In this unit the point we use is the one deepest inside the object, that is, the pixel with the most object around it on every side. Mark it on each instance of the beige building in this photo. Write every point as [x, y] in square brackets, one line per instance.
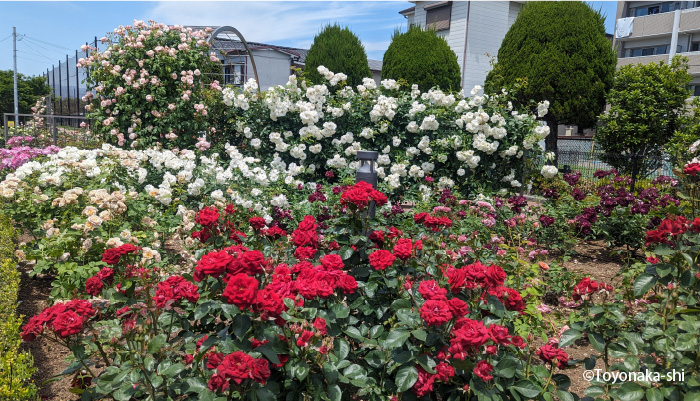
[647, 31]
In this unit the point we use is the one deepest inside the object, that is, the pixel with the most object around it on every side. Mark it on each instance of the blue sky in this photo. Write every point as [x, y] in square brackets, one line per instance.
[53, 29]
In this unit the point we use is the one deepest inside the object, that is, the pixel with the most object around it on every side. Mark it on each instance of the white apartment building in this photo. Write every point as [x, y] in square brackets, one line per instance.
[648, 31]
[473, 29]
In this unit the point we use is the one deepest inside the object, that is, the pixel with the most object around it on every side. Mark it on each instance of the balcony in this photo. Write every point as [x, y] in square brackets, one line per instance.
[642, 59]
[662, 24]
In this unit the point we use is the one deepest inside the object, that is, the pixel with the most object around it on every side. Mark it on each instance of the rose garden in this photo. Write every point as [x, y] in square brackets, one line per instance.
[216, 245]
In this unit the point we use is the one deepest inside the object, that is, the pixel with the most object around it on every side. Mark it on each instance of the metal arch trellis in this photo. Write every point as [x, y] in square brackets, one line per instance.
[223, 29]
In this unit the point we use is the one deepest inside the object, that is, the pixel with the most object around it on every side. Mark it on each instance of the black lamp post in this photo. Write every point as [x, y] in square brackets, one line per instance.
[367, 173]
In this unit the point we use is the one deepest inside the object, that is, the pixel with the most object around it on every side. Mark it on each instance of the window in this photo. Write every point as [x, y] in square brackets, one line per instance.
[696, 90]
[438, 15]
[235, 71]
[648, 51]
[695, 46]
[655, 9]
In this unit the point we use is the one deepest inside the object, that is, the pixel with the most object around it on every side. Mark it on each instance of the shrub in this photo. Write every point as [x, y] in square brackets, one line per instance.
[337, 49]
[149, 86]
[16, 367]
[560, 49]
[423, 58]
[647, 106]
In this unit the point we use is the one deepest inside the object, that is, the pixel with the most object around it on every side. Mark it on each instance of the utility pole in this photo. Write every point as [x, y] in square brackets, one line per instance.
[14, 52]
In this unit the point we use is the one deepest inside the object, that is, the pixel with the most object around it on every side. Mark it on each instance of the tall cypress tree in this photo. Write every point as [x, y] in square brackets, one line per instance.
[561, 50]
[423, 58]
[339, 50]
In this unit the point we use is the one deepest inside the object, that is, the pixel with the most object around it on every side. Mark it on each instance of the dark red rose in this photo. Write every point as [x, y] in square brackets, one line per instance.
[379, 198]
[320, 325]
[381, 259]
[188, 358]
[67, 324]
[270, 301]
[347, 284]
[456, 279]
[213, 264]
[111, 256]
[332, 262]
[127, 248]
[305, 252]
[435, 313]
[214, 359]
[305, 238]
[257, 222]
[483, 370]
[431, 290]
[495, 276]
[93, 286]
[420, 217]
[424, 384]
[551, 354]
[518, 342]
[305, 338]
[692, 169]
[34, 327]
[403, 248]
[308, 224]
[207, 216]
[499, 334]
[253, 262]
[444, 371]
[241, 290]
[260, 370]
[217, 383]
[458, 307]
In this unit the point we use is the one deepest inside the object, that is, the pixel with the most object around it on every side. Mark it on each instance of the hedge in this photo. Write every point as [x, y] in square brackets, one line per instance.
[16, 367]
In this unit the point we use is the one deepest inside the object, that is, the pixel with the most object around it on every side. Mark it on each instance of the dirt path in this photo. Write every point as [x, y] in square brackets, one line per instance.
[49, 358]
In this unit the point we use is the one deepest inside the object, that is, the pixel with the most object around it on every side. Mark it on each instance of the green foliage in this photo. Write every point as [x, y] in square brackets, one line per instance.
[29, 89]
[15, 366]
[561, 50]
[339, 50]
[423, 58]
[687, 134]
[647, 106]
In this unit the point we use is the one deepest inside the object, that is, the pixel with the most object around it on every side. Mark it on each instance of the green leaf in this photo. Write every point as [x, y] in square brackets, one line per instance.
[173, 370]
[506, 367]
[354, 332]
[195, 384]
[376, 358]
[597, 341]
[395, 339]
[427, 363]
[526, 388]
[408, 317]
[376, 331]
[568, 337]
[565, 395]
[654, 394]
[406, 378]
[263, 394]
[346, 252]
[241, 325]
[269, 352]
[157, 343]
[342, 349]
[354, 371]
[643, 283]
[334, 393]
[230, 310]
[420, 334]
[628, 391]
[594, 391]
[341, 311]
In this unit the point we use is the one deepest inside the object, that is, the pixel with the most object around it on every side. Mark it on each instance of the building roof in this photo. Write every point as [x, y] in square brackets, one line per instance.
[298, 55]
[408, 11]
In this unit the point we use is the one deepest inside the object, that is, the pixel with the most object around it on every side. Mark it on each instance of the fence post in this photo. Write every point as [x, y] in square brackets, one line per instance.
[4, 125]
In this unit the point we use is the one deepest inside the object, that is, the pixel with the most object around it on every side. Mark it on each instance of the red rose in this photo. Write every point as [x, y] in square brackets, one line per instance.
[499, 334]
[672, 227]
[518, 342]
[308, 224]
[456, 278]
[207, 216]
[435, 313]
[444, 371]
[495, 276]
[475, 273]
[213, 264]
[377, 237]
[275, 232]
[469, 333]
[551, 354]
[305, 338]
[695, 225]
[260, 370]
[320, 325]
[175, 288]
[692, 169]
[34, 327]
[305, 238]
[420, 217]
[67, 324]
[93, 286]
[241, 290]
[458, 307]
[257, 222]
[236, 367]
[111, 256]
[424, 384]
[188, 358]
[253, 262]
[355, 196]
[80, 306]
[269, 301]
[347, 284]
[430, 290]
[106, 274]
[483, 370]
[381, 259]
[304, 252]
[127, 248]
[379, 198]
[217, 383]
[403, 248]
[332, 262]
[214, 359]
[324, 283]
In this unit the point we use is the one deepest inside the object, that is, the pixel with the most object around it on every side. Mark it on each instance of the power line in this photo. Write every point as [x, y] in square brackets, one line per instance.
[34, 54]
[43, 47]
[49, 43]
[8, 37]
[30, 59]
[38, 53]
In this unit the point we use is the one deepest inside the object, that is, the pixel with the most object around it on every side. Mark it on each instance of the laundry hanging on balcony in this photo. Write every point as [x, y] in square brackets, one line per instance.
[623, 27]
